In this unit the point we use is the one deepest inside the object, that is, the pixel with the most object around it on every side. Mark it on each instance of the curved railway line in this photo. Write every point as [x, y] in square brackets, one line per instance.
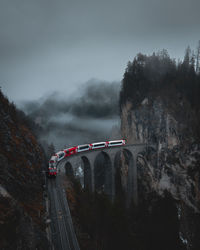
[62, 231]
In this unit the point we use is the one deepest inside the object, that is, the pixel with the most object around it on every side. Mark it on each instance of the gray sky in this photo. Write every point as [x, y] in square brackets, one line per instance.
[48, 45]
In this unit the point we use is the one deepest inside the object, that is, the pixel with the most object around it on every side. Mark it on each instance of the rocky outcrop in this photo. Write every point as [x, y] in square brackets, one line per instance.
[159, 106]
[174, 166]
[21, 193]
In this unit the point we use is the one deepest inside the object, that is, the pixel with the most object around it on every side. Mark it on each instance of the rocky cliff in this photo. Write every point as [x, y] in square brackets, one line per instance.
[21, 195]
[175, 164]
[158, 106]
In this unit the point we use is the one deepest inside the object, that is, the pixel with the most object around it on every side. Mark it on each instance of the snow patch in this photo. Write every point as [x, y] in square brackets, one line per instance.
[4, 192]
[145, 101]
[182, 239]
[165, 182]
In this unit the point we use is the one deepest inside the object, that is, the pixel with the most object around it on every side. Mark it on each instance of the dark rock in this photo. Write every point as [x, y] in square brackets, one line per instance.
[21, 195]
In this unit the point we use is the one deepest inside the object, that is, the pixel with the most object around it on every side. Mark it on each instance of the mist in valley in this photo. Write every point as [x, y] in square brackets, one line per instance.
[90, 114]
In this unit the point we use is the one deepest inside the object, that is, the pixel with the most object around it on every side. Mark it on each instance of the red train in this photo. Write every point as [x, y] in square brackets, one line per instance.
[52, 170]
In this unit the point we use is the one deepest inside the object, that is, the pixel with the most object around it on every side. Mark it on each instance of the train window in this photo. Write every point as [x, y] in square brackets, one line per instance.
[99, 145]
[83, 147]
[114, 143]
[61, 155]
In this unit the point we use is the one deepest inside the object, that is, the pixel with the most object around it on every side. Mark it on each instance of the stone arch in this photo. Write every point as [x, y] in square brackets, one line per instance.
[118, 178]
[69, 169]
[130, 175]
[87, 173]
[103, 173]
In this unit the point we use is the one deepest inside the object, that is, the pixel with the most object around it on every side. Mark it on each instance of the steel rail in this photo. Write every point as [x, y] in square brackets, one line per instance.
[70, 227]
[64, 217]
[61, 224]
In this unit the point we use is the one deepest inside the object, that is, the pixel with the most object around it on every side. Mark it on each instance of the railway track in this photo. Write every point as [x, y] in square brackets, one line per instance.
[63, 234]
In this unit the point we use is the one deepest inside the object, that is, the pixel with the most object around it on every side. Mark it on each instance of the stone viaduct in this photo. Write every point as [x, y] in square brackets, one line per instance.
[99, 168]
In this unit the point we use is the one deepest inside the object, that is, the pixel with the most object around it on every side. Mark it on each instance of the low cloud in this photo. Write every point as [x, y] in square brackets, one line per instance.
[88, 115]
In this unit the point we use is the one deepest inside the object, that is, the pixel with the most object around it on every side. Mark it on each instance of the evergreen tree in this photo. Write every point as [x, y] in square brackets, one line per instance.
[187, 57]
[51, 150]
[198, 59]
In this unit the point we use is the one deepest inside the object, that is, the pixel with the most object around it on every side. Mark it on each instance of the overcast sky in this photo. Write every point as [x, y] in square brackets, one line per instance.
[48, 45]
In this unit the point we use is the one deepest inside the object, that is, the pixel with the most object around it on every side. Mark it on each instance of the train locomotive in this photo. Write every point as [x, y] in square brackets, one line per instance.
[52, 168]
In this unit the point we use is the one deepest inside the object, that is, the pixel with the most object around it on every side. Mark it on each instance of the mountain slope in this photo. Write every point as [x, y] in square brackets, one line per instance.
[21, 194]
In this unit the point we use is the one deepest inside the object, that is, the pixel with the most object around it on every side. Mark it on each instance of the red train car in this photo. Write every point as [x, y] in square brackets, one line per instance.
[78, 149]
[52, 168]
[52, 172]
[70, 151]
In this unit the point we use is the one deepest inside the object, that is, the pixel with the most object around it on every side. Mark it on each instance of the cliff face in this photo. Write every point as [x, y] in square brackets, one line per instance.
[162, 110]
[174, 166]
[21, 195]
